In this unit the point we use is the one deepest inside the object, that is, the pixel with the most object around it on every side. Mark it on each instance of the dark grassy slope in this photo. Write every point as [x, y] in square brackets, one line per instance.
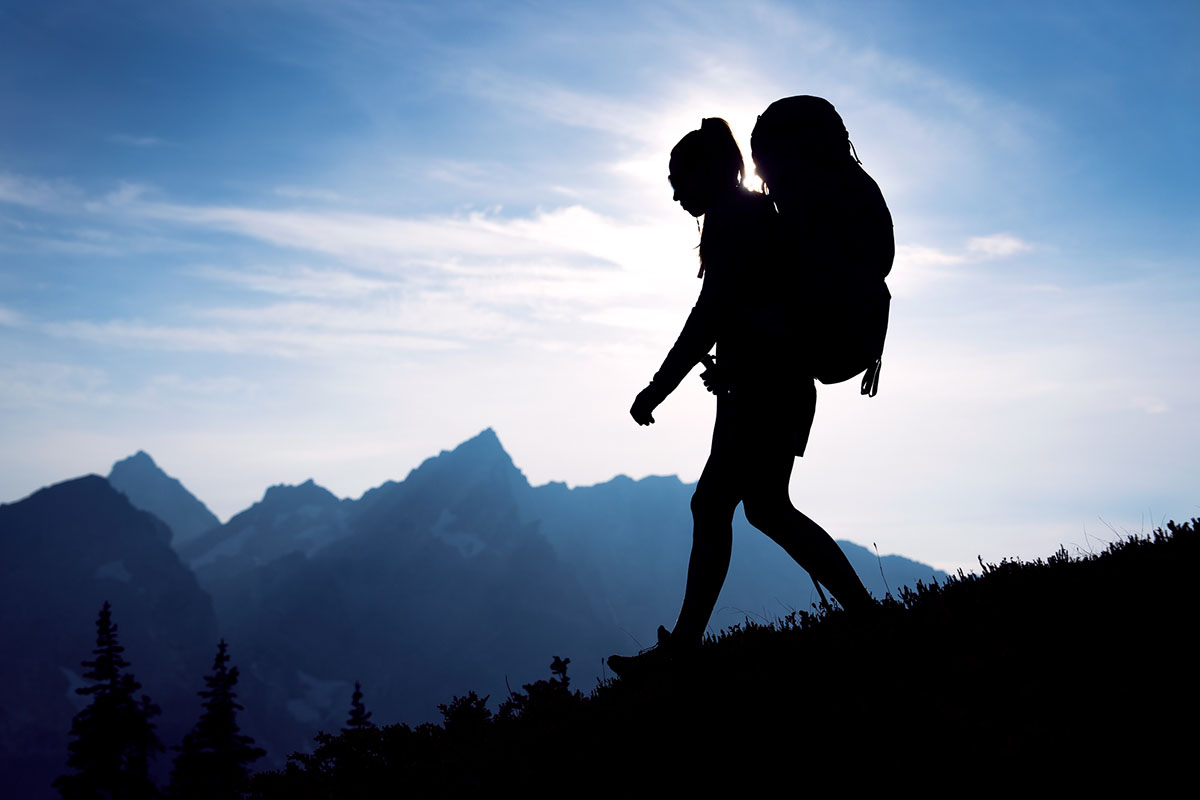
[1028, 664]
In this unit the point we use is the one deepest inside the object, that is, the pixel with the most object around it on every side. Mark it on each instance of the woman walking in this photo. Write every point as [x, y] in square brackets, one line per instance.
[765, 397]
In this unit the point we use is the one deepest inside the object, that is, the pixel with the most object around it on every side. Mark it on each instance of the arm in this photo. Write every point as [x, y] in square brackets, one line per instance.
[698, 336]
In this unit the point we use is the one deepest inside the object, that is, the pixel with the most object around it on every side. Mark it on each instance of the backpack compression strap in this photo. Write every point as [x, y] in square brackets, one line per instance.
[870, 381]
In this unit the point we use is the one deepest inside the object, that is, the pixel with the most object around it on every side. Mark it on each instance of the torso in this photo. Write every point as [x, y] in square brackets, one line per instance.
[741, 255]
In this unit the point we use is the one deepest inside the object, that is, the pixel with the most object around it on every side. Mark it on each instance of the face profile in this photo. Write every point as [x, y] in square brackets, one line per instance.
[706, 167]
[689, 189]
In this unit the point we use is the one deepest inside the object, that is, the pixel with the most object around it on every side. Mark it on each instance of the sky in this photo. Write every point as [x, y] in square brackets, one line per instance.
[273, 241]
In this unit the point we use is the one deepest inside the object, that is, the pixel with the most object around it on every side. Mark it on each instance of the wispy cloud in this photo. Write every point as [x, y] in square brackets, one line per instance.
[309, 193]
[997, 245]
[569, 242]
[917, 267]
[298, 281]
[138, 141]
[253, 339]
[443, 281]
[125, 194]
[10, 318]
[405, 283]
[37, 192]
[366, 238]
[1150, 404]
[52, 383]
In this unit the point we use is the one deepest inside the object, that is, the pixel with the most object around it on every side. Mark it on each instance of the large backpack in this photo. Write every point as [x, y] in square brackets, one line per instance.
[837, 229]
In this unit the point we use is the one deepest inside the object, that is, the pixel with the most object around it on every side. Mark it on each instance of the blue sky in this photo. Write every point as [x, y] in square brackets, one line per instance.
[269, 241]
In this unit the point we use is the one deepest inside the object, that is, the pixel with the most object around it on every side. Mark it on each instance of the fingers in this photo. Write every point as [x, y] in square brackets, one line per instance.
[641, 418]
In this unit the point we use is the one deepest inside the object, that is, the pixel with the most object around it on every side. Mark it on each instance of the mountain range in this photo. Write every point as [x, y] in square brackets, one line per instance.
[460, 577]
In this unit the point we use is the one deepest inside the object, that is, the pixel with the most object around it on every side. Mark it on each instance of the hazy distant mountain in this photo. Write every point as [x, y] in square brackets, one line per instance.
[63, 551]
[630, 541]
[288, 519]
[460, 577]
[151, 489]
[439, 588]
[463, 574]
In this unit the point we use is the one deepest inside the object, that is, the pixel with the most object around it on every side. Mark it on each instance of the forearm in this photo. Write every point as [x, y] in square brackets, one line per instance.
[695, 341]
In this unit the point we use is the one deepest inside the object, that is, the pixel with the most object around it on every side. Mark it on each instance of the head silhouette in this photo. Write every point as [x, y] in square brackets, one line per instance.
[797, 133]
[705, 166]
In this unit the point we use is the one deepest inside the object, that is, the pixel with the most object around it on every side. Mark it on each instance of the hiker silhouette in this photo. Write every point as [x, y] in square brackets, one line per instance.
[770, 280]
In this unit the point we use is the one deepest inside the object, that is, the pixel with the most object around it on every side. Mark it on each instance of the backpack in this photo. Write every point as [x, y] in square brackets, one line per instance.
[838, 230]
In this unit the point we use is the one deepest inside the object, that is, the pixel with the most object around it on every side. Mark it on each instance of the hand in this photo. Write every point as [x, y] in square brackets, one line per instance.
[715, 379]
[643, 405]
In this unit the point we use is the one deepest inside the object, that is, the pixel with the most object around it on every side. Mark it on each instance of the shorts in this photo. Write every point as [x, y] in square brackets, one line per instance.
[754, 421]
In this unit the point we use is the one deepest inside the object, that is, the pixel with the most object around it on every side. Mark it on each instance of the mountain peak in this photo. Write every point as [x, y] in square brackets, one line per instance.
[486, 441]
[307, 493]
[78, 503]
[140, 461]
[151, 489]
[483, 450]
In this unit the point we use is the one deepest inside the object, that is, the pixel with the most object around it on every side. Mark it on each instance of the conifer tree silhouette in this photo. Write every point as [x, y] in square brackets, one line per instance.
[113, 738]
[360, 718]
[350, 761]
[215, 757]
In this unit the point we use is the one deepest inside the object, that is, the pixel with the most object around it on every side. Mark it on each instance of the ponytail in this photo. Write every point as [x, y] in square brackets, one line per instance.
[713, 152]
[713, 149]
[722, 148]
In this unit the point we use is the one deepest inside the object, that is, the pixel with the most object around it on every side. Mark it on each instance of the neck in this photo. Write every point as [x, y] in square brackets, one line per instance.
[725, 196]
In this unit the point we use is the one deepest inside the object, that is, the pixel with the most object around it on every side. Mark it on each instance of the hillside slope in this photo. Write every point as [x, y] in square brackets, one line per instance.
[1029, 665]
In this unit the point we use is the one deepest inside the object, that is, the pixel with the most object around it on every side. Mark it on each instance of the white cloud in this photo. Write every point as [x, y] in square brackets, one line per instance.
[308, 193]
[282, 342]
[426, 320]
[997, 245]
[919, 267]
[125, 194]
[27, 385]
[915, 255]
[10, 318]
[37, 192]
[1150, 404]
[367, 239]
[461, 278]
[416, 284]
[300, 281]
[894, 108]
[137, 141]
[202, 389]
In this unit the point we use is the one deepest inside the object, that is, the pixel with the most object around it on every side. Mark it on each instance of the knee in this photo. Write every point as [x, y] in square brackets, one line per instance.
[711, 505]
[766, 513]
[712, 515]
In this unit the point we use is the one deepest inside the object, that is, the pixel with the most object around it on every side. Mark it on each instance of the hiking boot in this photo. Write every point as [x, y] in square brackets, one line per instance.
[661, 653]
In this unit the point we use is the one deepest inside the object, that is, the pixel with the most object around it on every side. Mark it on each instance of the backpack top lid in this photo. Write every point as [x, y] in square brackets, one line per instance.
[797, 129]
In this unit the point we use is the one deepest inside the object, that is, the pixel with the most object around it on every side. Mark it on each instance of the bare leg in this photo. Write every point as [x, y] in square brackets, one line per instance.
[713, 505]
[770, 509]
[816, 551]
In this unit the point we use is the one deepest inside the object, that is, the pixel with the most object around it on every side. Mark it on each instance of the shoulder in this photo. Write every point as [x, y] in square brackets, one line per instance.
[739, 230]
[743, 210]
[754, 204]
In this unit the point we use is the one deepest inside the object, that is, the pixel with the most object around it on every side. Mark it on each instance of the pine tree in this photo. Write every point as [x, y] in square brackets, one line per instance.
[215, 757]
[360, 718]
[113, 738]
